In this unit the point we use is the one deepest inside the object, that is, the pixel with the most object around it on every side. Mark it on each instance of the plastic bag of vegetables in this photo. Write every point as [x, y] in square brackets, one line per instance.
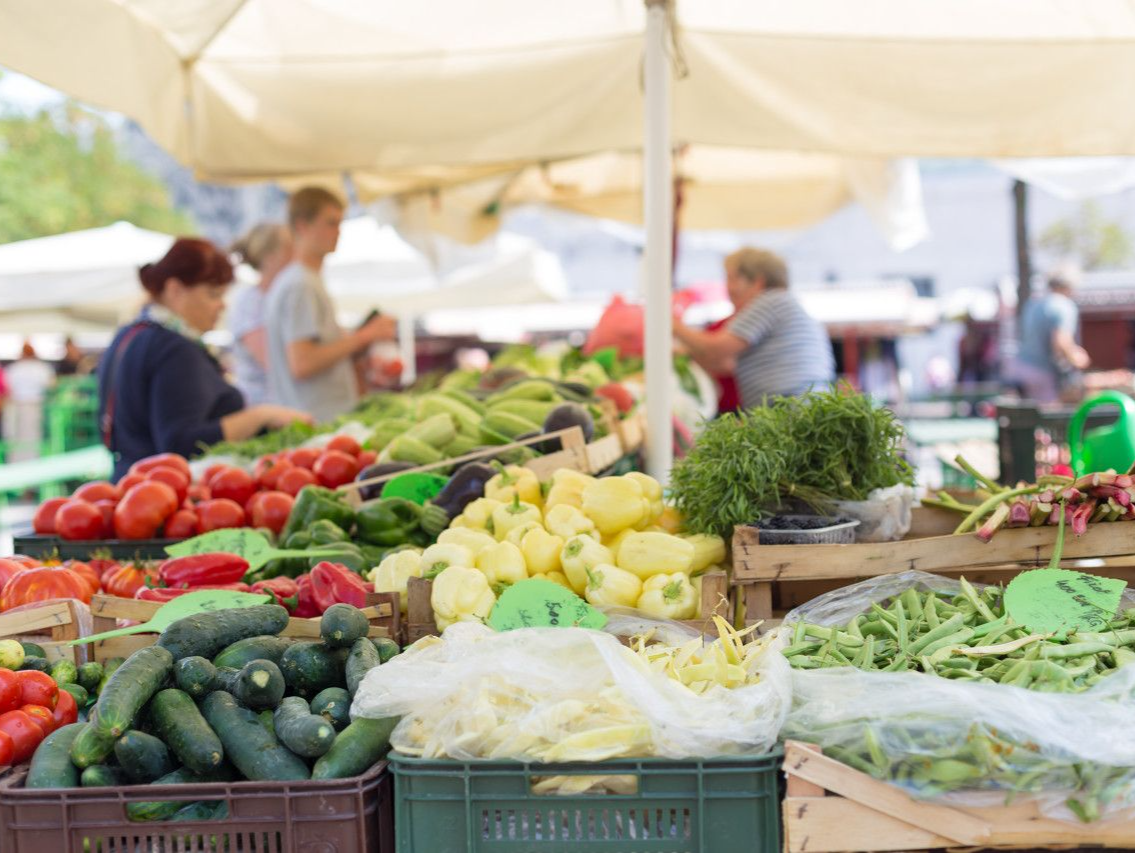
[925, 682]
[569, 694]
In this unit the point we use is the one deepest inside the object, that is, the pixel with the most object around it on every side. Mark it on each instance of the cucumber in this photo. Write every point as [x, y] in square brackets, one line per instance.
[311, 667]
[103, 776]
[254, 752]
[260, 685]
[387, 648]
[76, 690]
[108, 667]
[266, 720]
[64, 672]
[51, 764]
[130, 687]
[304, 733]
[362, 659]
[205, 810]
[334, 705]
[341, 625]
[92, 746]
[206, 634]
[37, 663]
[177, 721]
[90, 674]
[356, 748]
[143, 757]
[33, 650]
[164, 810]
[195, 675]
[250, 649]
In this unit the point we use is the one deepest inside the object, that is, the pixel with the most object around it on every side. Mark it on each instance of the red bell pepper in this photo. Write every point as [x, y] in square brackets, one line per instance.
[163, 594]
[201, 569]
[334, 583]
[306, 607]
[284, 589]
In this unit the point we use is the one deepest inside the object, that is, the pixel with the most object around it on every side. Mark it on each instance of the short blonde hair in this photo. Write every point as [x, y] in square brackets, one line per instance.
[305, 204]
[255, 246]
[753, 264]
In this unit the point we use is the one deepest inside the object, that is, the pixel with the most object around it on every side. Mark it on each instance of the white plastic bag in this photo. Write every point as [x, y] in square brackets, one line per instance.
[884, 517]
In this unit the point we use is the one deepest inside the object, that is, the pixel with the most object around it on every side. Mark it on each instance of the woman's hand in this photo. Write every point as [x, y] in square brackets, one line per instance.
[276, 417]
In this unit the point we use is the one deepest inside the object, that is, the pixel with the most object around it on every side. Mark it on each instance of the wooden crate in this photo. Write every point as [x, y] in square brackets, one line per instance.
[776, 578]
[420, 616]
[382, 610]
[50, 625]
[830, 807]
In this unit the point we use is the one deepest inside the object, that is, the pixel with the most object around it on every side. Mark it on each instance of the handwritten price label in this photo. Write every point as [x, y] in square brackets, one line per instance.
[537, 603]
[1054, 600]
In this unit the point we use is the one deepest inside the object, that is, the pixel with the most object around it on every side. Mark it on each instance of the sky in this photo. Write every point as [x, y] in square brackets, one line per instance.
[24, 93]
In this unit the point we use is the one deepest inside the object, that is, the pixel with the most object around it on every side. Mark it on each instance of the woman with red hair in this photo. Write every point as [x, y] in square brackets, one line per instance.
[159, 388]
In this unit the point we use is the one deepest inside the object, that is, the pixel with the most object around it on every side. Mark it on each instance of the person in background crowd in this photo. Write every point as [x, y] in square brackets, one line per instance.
[771, 345]
[728, 397]
[311, 359]
[160, 390]
[72, 359]
[1050, 359]
[28, 381]
[267, 248]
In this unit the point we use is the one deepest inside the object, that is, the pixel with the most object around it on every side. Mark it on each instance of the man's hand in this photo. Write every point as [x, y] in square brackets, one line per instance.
[381, 328]
[1079, 358]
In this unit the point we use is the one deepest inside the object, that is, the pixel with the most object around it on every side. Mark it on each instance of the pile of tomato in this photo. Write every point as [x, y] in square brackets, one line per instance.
[31, 707]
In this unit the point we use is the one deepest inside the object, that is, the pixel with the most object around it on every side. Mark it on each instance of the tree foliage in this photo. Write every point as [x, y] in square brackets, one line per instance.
[1090, 238]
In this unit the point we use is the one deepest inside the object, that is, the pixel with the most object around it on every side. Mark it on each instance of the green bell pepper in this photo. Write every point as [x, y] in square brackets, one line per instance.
[326, 532]
[347, 553]
[315, 503]
[388, 522]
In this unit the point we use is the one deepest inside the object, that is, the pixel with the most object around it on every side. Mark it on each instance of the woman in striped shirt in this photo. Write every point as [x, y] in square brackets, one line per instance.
[772, 345]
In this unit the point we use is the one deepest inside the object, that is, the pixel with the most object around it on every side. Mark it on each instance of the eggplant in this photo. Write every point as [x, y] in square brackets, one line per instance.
[381, 469]
[564, 417]
[465, 486]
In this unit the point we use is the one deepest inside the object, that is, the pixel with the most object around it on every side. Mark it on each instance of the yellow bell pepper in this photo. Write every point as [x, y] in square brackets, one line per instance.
[475, 540]
[615, 542]
[671, 520]
[708, 550]
[515, 514]
[461, 595]
[558, 578]
[581, 553]
[614, 504]
[502, 565]
[517, 534]
[541, 551]
[437, 558]
[610, 585]
[478, 515]
[567, 488]
[395, 571]
[648, 554]
[669, 596]
[652, 491]
[567, 521]
[515, 481]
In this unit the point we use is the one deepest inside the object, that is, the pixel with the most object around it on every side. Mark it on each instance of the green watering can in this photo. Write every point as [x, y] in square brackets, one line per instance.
[1106, 447]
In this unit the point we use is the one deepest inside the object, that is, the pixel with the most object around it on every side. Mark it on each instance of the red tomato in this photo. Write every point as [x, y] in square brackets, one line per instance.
[211, 471]
[345, 443]
[294, 479]
[99, 490]
[44, 521]
[86, 572]
[173, 478]
[271, 510]
[367, 457]
[9, 692]
[219, 513]
[304, 457]
[25, 734]
[128, 482]
[169, 460]
[78, 519]
[6, 749]
[199, 492]
[10, 568]
[42, 717]
[66, 710]
[100, 561]
[106, 508]
[233, 484]
[182, 524]
[334, 468]
[37, 688]
[43, 584]
[143, 509]
[269, 476]
[24, 560]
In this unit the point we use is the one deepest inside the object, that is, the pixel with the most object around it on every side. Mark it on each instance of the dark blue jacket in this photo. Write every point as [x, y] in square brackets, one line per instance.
[169, 395]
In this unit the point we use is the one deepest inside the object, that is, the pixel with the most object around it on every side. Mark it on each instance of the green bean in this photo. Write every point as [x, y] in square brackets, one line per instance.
[957, 638]
[798, 633]
[930, 612]
[973, 598]
[853, 628]
[1073, 650]
[947, 628]
[904, 636]
[832, 634]
[804, 648]
[989, 627]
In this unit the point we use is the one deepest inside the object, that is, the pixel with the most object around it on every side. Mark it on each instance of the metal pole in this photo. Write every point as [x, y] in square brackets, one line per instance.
[408, 348]
[658, 217]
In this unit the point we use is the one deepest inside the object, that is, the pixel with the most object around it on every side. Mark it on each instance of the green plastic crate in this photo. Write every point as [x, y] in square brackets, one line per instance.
[721, 805]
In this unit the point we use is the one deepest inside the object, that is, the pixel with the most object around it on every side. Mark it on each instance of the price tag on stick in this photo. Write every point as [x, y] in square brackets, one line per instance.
[1055, 600]
[537, 603]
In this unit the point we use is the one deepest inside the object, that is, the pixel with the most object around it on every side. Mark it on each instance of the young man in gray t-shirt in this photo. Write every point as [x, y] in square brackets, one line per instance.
[310, 358]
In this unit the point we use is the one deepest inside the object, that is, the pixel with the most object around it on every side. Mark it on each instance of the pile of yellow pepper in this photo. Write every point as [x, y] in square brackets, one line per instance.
[608, 539]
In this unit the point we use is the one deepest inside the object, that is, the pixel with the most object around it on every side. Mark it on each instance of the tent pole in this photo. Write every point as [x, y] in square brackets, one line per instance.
[408, 349]
[658, 214]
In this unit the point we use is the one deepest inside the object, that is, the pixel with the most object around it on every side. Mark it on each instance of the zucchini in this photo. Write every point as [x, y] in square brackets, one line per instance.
[33, 650]
[304, 733]
[362, 659]
[90, 674]
[163, 810]
[266, 720]
[51, 765]
[206, 634]
[341, 625]
[108, 667]
[143, 757]
[311, 667]
[178, 722]
[206, 810]
[258, 685]
[76, 690]
[252, 648]
[92, 746]
[387, 648]
[103, 776]
[254, 752]
[37, 663]
[130, 687]
[195, 675]
[64, 672]
[356, 748]
[334, 705]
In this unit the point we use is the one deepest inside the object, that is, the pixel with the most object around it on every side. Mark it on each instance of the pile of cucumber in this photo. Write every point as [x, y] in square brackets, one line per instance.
[221, 697]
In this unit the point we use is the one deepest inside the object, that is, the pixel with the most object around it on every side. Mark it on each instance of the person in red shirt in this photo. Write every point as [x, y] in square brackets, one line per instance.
[728, 398]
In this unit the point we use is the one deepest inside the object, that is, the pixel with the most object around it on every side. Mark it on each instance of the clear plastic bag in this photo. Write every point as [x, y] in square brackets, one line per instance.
[554, 694]
[884, 517]
[964, 742]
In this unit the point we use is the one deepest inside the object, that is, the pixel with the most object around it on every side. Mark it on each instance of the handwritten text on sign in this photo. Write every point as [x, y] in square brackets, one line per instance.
[1052, 600]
